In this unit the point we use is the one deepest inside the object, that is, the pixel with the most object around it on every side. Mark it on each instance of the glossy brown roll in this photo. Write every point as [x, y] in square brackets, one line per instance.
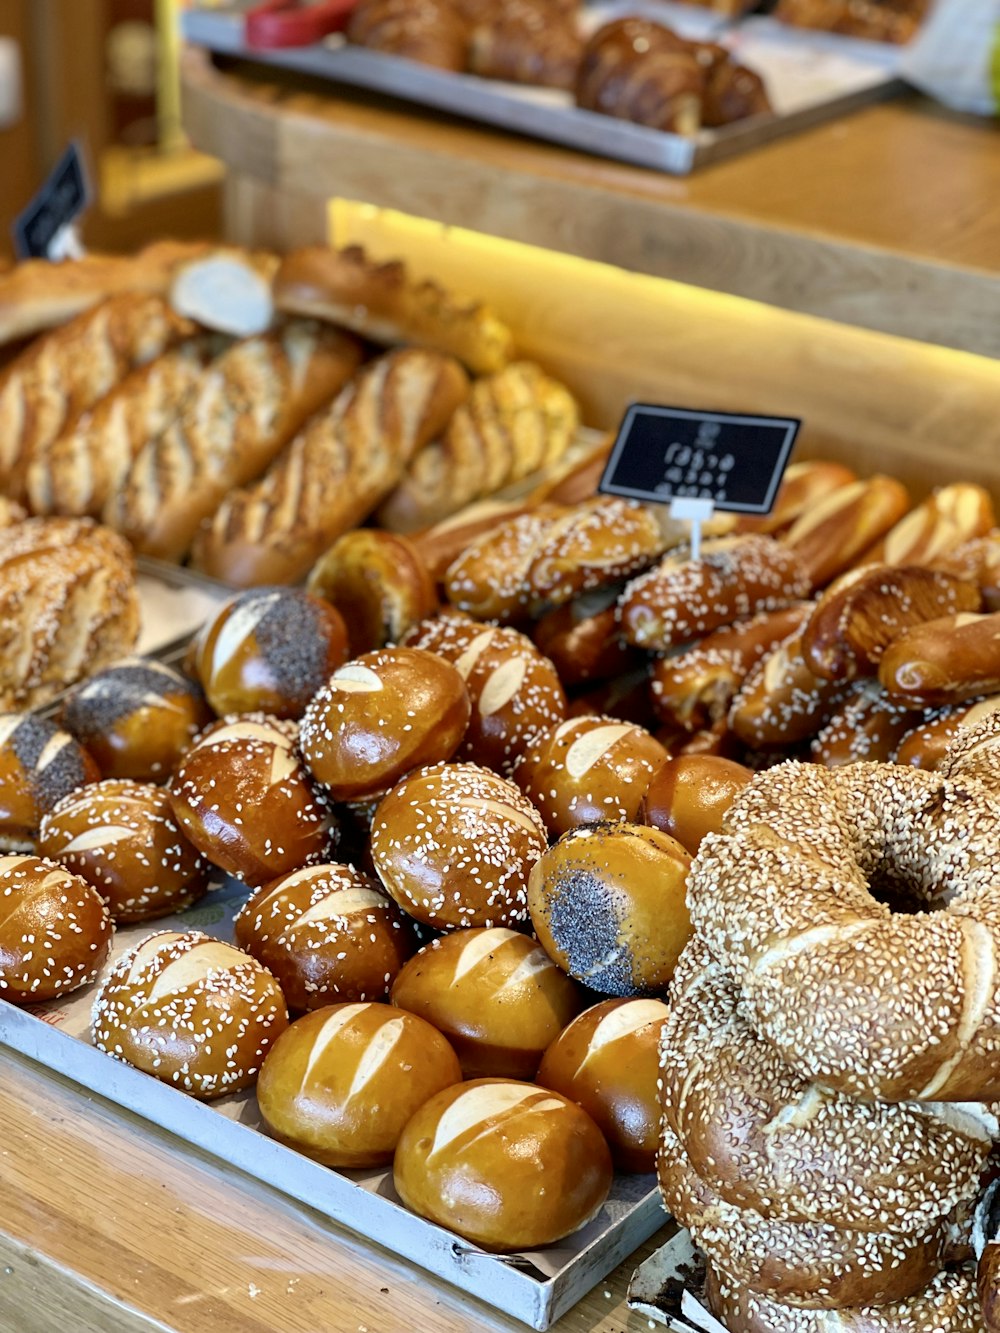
[39, 764]
[690, 794]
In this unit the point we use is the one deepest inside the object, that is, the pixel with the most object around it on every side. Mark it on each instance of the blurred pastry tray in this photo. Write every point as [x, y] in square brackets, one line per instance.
[535, 1288]
[811, 77]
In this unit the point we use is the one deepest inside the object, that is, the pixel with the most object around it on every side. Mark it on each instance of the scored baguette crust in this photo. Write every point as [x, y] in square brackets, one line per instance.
[250, 402]
[514, 423]
[38, 294]
[334, 472]
[831, 536]
[68, 371]
[948, 518]
[383, 303]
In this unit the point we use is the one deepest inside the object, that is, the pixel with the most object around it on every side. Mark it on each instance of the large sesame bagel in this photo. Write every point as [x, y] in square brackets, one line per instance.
[793, 899]
[763, 1138]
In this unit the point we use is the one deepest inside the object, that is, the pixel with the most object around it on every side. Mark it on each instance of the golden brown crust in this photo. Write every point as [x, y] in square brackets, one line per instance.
[527, 41]
[488, 579]
[638, 70]
[432, 32]
[690, 794]
[865, 725]
[801, 487]
[384, 303]
[833, 534]
[872, 20]
[944, 522]
[926, 745]
[944, 661]
[782, 701]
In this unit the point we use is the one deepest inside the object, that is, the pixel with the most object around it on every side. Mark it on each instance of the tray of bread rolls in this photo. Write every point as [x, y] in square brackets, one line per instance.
[661, 85]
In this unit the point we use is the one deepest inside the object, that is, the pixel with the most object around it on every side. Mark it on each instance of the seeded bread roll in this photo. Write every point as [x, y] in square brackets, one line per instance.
[341, 1083]
[496, 996]
[39, 765]
[191, 1011]
[55, 934]
[454, 845]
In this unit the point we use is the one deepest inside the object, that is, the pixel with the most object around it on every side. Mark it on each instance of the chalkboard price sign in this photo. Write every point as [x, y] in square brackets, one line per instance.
[40, 231]
[731, 460]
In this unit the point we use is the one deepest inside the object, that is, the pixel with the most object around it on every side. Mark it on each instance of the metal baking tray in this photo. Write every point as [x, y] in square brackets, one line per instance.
[811, 77]
[534, 1287]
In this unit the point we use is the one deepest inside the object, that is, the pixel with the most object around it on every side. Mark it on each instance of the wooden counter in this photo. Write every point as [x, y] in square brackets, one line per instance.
[888, 218]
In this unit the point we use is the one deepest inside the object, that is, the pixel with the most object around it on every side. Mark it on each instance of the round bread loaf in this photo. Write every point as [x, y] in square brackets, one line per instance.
[495, 994]
[243, 797]
[507, 1165]
[588, 769]
[269, 649]
[380, 716]
[454, 845]
[122, 837]
[607, 904]
[328, 934]
[55, 930]
[607, 1061]
[379, 583]
[136, 718]
[39, 764]
[690, 794]
[341, 1083]
[191, 1011]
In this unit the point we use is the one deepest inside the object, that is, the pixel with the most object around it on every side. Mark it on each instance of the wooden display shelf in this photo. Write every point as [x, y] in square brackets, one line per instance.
[888, 218]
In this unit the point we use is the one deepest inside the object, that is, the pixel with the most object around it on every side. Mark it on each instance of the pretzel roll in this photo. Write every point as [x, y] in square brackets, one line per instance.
[946, 520]
[136, 718]
[515, 691]
[844, 844]
[576, 481]
[506, 1165]
[601, 541]
[379, 583]
[328, 934]
[682, 599]
[607, 1061]
[454, 845]
[441, 545]
[865, 725]
[946, 1305]
[489, 578]
[764, 1138]
[831, 536]
[694, 689]
[690, 794]
[243, 797]
[495, 994]
[269, 649]
[782, 702]
[810, 1264]
[380, 716]
[926, 745]
[583, 643]
[339, 1084]
[803, 485]
[122, 837]
[191, 1011]
[861, 613]
[588, 769]
[55, 930]
[979, 560]
[607, 904]
[944, 661]
[39, 765]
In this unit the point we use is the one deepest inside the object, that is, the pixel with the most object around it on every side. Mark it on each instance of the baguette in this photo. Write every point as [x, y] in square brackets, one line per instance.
[382, 303]
[514, 423]
[334, 472]
[249, 403]
[66, 372]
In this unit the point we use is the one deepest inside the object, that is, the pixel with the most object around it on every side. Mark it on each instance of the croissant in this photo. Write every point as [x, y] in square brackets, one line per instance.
[733, 92]
[637, 70]
[527, 41]
[432, 32]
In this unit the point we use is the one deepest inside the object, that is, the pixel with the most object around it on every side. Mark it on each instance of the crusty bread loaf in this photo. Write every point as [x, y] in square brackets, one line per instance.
[514, 423]
[382, 302]
[38, 294]
[250, 402]
[334, 472]
[65, 373]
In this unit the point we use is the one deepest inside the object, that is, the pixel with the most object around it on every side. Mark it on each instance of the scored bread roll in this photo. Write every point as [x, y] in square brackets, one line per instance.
[836, 532]
[383, 303]
[191, 1011]
[946, 520]
[802, 485]
[488, 578]
[39, 765]
[334, 472]
[926, 744]
[944, 661]
[253, 398]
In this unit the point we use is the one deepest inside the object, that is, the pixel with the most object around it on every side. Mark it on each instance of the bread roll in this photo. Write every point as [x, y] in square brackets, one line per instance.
[835, 533]
[269, 650]
[496, 996]
[926, 744]
[39, 765]
[191, 1011]
[528, 41]
[341, 1083]
[442, 544]
[454, 845]
[328, 934]
[380, 716]
[55, 930]
[943, 661]
[506, 1165]
[689, 796]
[488, 578]
[582, 641]
[803, 485]
[943, 523]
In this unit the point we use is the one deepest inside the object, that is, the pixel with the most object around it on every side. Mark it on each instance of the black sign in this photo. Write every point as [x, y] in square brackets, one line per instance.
[667, 453]
[64, 195]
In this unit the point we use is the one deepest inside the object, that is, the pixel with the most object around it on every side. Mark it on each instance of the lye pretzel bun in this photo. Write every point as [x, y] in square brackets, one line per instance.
[690, 794]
